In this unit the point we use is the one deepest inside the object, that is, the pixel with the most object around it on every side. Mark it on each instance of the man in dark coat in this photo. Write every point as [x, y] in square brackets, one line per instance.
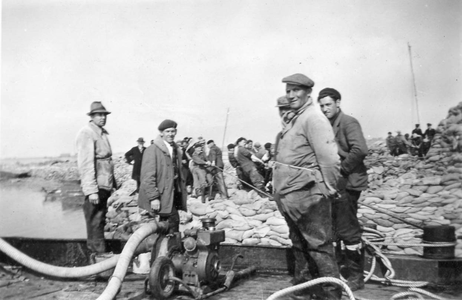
[135, 154]
[430, 132]
[391, 144]
[162, 189]
[215, 157]
[417, 130]
[352, 150]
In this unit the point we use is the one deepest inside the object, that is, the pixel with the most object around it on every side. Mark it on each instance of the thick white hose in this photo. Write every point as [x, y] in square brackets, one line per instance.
[56, 271]
[310, 283]
[125, 258]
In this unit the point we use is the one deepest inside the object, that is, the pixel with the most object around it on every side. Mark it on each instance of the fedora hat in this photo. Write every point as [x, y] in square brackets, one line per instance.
[97, 107]
[140, 140]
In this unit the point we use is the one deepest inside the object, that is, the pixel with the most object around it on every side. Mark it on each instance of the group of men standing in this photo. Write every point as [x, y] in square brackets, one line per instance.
[416, 144]
[318, 175]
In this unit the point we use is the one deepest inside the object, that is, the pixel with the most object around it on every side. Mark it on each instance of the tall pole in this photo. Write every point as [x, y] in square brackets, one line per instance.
[413, 81]
[224, 133]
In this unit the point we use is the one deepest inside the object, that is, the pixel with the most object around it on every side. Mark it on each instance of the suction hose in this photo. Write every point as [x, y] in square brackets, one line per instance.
[125, 257]
[56, 271]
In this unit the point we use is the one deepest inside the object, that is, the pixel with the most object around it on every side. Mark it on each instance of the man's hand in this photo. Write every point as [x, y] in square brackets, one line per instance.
[94, 199]
[155, 205]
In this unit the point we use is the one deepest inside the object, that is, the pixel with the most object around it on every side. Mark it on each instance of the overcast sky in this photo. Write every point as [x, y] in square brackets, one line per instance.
[192, 60]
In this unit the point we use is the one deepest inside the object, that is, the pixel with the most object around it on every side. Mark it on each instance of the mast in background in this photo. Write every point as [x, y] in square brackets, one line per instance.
[224, 133]
[413, 81]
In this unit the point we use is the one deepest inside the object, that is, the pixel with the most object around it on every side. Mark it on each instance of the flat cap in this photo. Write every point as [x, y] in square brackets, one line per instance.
[298, 79]
[333, 93]
[167, 124]
[283, 102]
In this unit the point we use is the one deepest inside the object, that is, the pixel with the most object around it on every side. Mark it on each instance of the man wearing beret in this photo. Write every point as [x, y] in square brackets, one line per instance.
[305, 179]
[352, 149]
[96, 169]
[162, 189]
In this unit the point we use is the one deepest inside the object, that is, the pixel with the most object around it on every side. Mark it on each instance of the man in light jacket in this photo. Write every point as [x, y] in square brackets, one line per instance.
[305, 181]
[96, 171]
[163, 189]
[352, 149]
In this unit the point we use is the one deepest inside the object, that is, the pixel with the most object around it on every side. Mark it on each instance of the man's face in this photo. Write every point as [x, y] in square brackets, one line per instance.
[99, 119]
[297, 95]
[329, 107]
[242, 143]
[231, 150]
[168, 135]
[283, 110]
[249, 145]
[198, 150]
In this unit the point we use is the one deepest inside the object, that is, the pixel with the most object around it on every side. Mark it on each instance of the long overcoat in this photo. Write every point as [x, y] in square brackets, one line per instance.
[157, 177]
[135, 155]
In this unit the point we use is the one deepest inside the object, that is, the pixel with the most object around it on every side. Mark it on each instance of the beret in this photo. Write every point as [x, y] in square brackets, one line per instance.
[417, 125]
[167, 124]
[283, 102]
[333, 93]
[298, 79]
[231, 146]
[429, 124]
[210, 141]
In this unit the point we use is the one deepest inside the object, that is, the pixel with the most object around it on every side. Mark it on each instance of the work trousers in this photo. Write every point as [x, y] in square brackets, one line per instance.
[255, 177]
[95, 219]
[309, 217]
[202, 178]
[345, 219]
[220, 183]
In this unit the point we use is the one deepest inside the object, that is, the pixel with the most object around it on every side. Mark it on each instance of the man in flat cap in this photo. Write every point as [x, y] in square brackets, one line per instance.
[163, 190]
[135, 155]
[96, 169]
[305, 180]
[430, 132]
[352, 149]
[417, 130]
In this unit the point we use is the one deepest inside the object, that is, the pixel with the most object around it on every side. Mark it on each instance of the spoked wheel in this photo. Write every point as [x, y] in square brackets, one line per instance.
[159, 278]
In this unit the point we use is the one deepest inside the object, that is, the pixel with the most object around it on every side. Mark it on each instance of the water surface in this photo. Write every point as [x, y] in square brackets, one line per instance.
[30, 211]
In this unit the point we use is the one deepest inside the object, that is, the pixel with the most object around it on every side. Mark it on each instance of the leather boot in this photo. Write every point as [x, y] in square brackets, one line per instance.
[355, 264]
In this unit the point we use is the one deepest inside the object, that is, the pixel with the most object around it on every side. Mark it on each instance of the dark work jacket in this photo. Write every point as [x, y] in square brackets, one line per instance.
[216, 156]
[352, 149]
[157, 178]
[135, 155]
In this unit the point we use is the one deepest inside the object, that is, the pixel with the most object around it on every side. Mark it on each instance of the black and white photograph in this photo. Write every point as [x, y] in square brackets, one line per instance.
[231, 149]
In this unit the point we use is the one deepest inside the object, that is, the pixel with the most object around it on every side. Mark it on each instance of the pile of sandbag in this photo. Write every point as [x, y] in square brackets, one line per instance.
[246, 218]
[422, 192]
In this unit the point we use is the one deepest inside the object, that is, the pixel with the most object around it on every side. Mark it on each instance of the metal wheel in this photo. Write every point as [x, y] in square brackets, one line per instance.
[159, 278]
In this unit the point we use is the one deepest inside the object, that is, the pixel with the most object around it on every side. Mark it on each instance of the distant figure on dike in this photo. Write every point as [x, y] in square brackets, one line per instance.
[391, 145]
[135, 155]
[96, 169]
[417, 130]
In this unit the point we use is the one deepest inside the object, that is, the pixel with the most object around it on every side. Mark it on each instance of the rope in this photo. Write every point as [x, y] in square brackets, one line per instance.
[392, 215]
[254, 187]
[311, 283]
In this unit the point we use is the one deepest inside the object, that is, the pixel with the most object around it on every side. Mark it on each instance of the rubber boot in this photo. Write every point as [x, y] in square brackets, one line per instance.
[355, 264]
[203, 194]
[301, 274]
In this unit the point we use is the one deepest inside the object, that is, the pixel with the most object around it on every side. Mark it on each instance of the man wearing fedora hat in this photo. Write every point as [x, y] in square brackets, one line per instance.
[135, 154]
[96, 171]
